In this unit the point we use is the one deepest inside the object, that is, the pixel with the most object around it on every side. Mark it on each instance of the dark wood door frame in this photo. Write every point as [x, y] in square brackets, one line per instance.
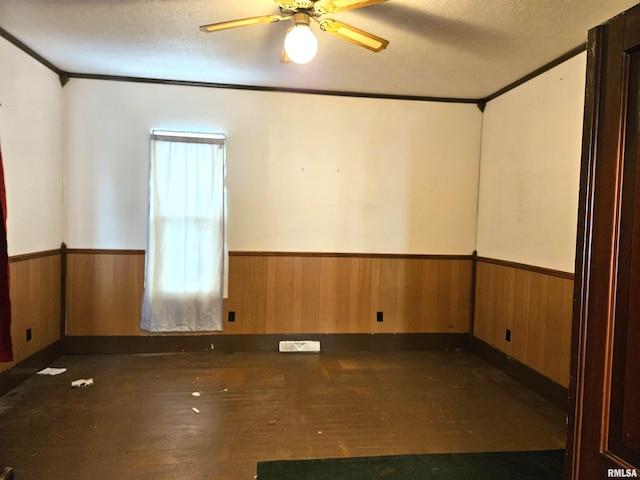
[604, 421]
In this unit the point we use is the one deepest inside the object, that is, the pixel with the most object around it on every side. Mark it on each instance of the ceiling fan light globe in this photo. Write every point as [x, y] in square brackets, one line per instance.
[300, 44]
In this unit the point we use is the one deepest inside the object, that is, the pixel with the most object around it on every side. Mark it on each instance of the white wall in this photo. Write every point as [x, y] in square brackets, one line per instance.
[530, 167]
[30, 133]
[304, 172]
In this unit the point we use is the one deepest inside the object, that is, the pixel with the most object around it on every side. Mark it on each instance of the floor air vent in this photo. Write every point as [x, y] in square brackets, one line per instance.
[305, 346]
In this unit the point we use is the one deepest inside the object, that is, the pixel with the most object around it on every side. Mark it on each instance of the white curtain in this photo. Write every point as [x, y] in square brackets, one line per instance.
[186, 239]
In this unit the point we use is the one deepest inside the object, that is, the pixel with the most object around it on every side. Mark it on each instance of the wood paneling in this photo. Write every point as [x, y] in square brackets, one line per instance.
[287, 293]
[104, 292]
[536, 306]
[343, 294]
[277, 293]
[35, 303]
[280, 293]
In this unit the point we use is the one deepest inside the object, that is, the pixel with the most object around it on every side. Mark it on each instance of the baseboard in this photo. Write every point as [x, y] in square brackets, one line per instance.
[11, 378]
[262, 342]
[535, 381]
[87, 345]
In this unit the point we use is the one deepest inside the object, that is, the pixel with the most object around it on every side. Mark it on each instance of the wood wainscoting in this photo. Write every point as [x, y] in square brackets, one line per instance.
[104, 292]
[286, 293]
[89, 301]
[35, 293]
[331, 293]
[525, 312]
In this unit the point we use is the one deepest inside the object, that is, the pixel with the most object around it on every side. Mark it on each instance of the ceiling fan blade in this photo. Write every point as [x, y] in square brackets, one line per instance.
[332, 6]
[243, 22]
[354, 35]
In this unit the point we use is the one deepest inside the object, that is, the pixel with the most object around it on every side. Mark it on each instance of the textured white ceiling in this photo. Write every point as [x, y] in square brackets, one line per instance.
[438, 48]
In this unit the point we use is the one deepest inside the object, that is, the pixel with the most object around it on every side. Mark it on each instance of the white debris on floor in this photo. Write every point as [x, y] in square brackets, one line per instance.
[52, 371]
[82, 383]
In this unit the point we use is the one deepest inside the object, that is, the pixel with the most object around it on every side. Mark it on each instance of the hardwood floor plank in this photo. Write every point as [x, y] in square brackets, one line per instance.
[137, 421]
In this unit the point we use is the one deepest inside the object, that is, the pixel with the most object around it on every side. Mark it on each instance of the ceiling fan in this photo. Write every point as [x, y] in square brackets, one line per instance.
[301, 45]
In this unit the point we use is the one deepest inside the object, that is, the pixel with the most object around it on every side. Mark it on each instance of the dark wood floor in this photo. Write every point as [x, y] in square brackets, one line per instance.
[136, 421]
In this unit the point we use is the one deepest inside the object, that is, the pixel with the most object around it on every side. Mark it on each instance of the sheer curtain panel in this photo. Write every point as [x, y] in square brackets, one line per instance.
[186, 250]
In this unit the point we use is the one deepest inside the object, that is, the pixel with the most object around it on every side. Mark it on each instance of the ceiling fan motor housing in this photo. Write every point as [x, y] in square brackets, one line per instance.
[297, 5]
[301, 18]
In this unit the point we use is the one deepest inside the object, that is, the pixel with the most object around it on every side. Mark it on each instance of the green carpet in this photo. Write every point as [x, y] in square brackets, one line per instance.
[531, 465]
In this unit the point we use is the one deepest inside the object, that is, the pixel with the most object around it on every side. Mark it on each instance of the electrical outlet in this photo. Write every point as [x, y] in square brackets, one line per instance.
[379, 317]
[232, 317]
[28, 334]
[508, 335]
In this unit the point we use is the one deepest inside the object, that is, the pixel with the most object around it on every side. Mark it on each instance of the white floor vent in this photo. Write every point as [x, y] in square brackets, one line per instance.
[306, 346]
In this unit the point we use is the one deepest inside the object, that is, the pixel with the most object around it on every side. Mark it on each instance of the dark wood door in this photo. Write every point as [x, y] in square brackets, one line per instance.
[604, 419]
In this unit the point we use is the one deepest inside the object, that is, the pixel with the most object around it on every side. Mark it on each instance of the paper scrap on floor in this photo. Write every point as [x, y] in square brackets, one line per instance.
[82, 383]
[52, 371]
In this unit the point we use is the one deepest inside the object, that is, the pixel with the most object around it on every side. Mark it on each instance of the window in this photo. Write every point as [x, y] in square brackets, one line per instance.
[186, 248]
